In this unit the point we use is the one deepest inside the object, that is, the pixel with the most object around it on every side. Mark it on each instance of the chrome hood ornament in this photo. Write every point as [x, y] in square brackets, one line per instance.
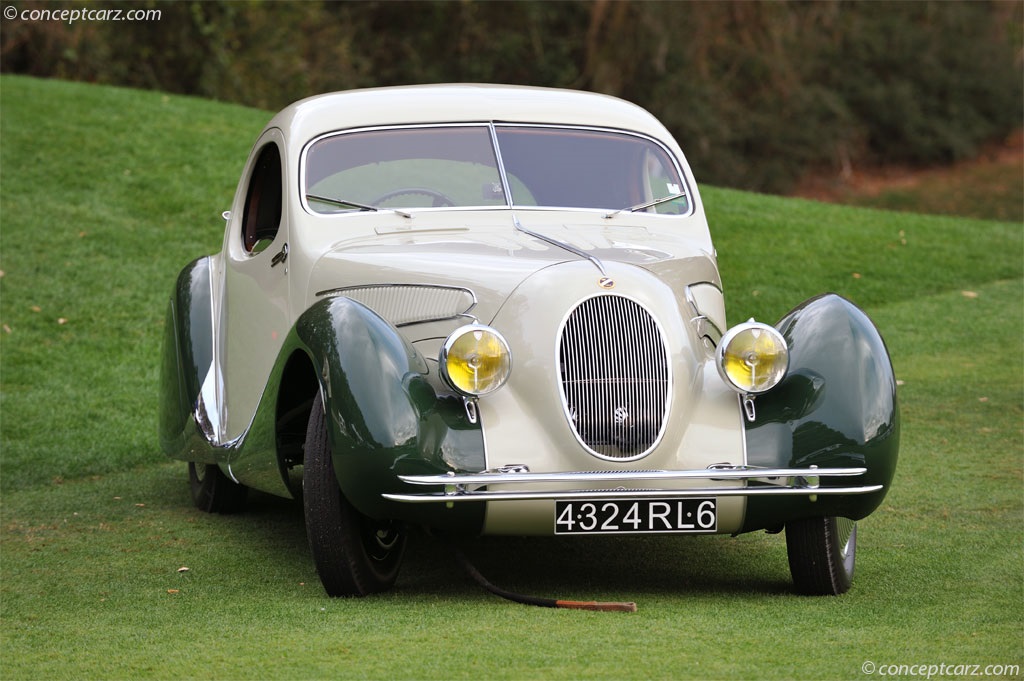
[564, 246]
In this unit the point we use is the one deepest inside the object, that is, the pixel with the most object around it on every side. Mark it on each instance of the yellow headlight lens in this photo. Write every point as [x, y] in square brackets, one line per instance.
[752, 357]
[475, 360]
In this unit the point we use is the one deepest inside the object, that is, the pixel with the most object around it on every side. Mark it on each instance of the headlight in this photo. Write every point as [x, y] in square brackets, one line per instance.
[475, 360]
[752, 357]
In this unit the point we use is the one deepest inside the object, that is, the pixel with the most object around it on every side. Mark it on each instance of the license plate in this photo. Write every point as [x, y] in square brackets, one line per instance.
[635, 516]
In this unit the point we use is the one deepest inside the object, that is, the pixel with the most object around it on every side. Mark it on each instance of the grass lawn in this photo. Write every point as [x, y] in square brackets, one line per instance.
[106, 193]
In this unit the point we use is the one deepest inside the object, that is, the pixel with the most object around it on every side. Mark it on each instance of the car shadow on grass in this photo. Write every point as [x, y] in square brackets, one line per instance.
[586, 568]
[581, 568]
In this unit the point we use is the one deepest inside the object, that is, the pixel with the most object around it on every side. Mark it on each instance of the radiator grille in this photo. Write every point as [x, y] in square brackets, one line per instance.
[615, 376]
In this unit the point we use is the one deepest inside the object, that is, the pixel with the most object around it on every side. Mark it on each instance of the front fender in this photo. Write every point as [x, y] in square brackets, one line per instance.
[384, 416]
[836, 407]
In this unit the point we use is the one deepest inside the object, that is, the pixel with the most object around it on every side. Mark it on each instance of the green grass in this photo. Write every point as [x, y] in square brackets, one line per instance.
[106, 193]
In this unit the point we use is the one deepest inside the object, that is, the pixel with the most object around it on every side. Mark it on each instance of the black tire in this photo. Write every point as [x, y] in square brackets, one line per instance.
[822, 552]
[214, 492]
[354, 555]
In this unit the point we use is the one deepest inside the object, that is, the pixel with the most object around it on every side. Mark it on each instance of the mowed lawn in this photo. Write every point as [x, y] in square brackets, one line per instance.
[106, 193]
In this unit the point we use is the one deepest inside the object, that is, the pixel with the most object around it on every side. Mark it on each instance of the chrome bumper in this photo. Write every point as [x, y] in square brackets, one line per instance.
[751, 482]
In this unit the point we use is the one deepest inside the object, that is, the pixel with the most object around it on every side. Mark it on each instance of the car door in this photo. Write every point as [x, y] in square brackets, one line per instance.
[255, 315]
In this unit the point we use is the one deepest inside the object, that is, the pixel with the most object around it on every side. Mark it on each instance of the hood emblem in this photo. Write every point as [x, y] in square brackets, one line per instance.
[623, 417]
[606, 282]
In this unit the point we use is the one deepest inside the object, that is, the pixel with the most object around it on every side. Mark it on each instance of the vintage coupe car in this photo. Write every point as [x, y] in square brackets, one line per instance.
[493, 310]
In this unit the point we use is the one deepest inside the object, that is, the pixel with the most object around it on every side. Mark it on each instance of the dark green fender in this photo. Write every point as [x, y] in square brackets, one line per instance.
[836, 407]
[187, 354]
[385, 416]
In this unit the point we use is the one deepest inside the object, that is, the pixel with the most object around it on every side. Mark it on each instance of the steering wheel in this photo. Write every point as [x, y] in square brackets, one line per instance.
[440, 200]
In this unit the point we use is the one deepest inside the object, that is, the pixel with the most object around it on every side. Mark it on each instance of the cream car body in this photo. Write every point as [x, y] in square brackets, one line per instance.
[320, 325]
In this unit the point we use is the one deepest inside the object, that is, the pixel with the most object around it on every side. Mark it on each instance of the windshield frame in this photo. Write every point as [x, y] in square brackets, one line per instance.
[493, 127]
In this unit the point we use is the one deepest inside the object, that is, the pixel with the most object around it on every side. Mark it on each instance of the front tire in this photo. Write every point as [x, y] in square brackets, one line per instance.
[354, 555]
[214, 492]
[822, 552]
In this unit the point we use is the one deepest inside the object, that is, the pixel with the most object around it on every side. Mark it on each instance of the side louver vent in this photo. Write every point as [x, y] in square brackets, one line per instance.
[615, 376]
[403, 304]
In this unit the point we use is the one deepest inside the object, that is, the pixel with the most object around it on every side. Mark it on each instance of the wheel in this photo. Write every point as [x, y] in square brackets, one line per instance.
[214, 492]
[440, 200]
[354, 555]
[821, 554]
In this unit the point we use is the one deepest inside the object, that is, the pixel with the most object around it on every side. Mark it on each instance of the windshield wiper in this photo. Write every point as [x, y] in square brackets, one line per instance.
[345, 203]
[341, 203]
[648, 204]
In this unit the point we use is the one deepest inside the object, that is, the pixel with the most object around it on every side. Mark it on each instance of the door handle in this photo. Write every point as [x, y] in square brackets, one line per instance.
[280, 257]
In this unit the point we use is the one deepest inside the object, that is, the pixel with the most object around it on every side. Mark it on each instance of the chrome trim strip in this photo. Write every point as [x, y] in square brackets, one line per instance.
[628, 494]
[713, 474]
[506, 187]
[215, 391]
[792, 482]
[560, 244]
[702, 324]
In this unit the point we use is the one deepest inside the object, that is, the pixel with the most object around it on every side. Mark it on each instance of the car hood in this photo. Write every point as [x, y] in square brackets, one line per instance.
[493, 262]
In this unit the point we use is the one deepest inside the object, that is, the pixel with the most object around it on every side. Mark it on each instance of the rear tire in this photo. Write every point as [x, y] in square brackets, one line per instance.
[214, 492]
[822, 552]
[354, 555]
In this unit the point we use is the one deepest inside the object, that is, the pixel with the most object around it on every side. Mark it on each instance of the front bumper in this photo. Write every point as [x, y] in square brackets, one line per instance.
[749, 481]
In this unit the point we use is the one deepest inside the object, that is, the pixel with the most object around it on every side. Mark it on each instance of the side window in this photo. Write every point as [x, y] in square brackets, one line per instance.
[262, 216]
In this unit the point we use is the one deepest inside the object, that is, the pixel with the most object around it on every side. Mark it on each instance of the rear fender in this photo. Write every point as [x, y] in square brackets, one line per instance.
[186, 360]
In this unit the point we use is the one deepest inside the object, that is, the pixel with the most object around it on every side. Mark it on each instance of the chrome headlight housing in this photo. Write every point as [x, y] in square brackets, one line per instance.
[752, 357]
[475, 360]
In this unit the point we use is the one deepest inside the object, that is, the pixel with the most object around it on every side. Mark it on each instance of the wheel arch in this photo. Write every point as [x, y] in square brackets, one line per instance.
[296, 394]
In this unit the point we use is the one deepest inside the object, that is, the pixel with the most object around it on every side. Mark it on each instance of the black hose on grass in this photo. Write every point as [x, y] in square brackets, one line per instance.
[534, 600]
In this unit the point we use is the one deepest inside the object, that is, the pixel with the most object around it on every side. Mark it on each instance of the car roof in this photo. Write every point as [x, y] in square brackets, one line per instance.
[463, 102]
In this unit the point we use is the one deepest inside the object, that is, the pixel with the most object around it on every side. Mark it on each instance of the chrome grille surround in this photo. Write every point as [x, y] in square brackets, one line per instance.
[615, 377]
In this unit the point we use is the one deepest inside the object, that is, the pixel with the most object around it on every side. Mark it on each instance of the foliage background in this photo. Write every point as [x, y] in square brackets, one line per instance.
[758, 93]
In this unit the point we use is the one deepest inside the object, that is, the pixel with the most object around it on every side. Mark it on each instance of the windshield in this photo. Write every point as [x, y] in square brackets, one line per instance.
[457, 166]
